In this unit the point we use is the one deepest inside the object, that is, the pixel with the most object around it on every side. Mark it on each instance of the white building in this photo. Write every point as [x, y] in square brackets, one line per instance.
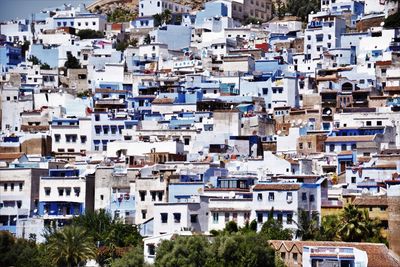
[71, 136]
[152, 7]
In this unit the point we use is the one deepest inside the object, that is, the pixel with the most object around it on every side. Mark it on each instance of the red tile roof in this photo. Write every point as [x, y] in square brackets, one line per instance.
[277, 187]
[357, 138]
[378, 254]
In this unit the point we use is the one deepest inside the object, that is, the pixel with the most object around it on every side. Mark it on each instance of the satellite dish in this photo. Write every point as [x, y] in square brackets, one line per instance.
[231, 194]
[279, 132]
[35, 210]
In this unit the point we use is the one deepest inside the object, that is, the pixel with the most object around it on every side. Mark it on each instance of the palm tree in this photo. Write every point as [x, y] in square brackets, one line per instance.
[70, 246]
[329, 228]
[354, 228]
[308, 226]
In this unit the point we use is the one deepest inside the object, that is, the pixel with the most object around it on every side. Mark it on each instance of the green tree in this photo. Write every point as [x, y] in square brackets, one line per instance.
[191, 251]
[308, 225]
[273, 230]
[18, 252]
[34, 60]
[72, 62]
[90, 34]
[45, 66]
[357, 226]
[147, 39]
[244, 250]
[329, 228]
[301, 8]
[121, 15]
[133, 258]
[70, 246]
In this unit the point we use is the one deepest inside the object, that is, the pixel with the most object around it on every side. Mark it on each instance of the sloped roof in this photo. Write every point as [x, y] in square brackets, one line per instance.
[378, 254]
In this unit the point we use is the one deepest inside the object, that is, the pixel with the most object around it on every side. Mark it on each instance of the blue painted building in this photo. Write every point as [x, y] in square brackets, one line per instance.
[10, 56]
[46, 54]
[63, 194]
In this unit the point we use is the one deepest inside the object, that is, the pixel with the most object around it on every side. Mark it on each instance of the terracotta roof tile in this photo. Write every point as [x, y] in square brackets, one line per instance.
[277, 187]
[370, 201]
[357, 138]
[10, 156]
[378, 254]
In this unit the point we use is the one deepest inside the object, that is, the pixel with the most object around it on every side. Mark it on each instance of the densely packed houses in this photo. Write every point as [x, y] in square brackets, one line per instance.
[180, 121]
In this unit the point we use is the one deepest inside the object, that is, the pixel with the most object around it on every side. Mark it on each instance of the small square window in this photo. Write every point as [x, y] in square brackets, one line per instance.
[193, 218]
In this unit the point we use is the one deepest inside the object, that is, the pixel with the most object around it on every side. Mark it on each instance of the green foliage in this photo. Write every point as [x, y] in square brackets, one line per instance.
[17, 252]
[231, 227]
[301, 8]
[242, 250]
[90, 34]
[273, 230]
[357, 226]
[85, 93]
[45, 66]
[147, 39]
[245, 250]
[164, 17]
[34, 60]
[108, 234]
[392, 21]
[24, 48]
[329, 228]
[133, 258]
[70, 246]
[72, 62]
[121, 15]
[183, 251]
[308, 226]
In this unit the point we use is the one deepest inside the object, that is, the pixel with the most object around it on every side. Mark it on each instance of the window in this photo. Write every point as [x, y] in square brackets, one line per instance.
[215, 217]
[60, 192]
[289, 197]
[312, 198]
[193, 218]
[68, 191]
[12, 186]
[57, 138]
[353, 180]
[283, 255]
[271, 196]
[142, 195]
[300, 145]
[101, 197]
[295, 258]
[259, 217]
[309, 144]
[20, 186]
[304, 196]
[280, 217]
[379, 123]
[5, 186]
[186, 140]
[344, 147]
[77, 191]
[47, 191]
[164, 217]
[353, 146]
[227, 216]
[177, 217]
[259, 196]
[331, 147]
[144, 212]
[289, 218]
[368, 123]
[83, 139]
